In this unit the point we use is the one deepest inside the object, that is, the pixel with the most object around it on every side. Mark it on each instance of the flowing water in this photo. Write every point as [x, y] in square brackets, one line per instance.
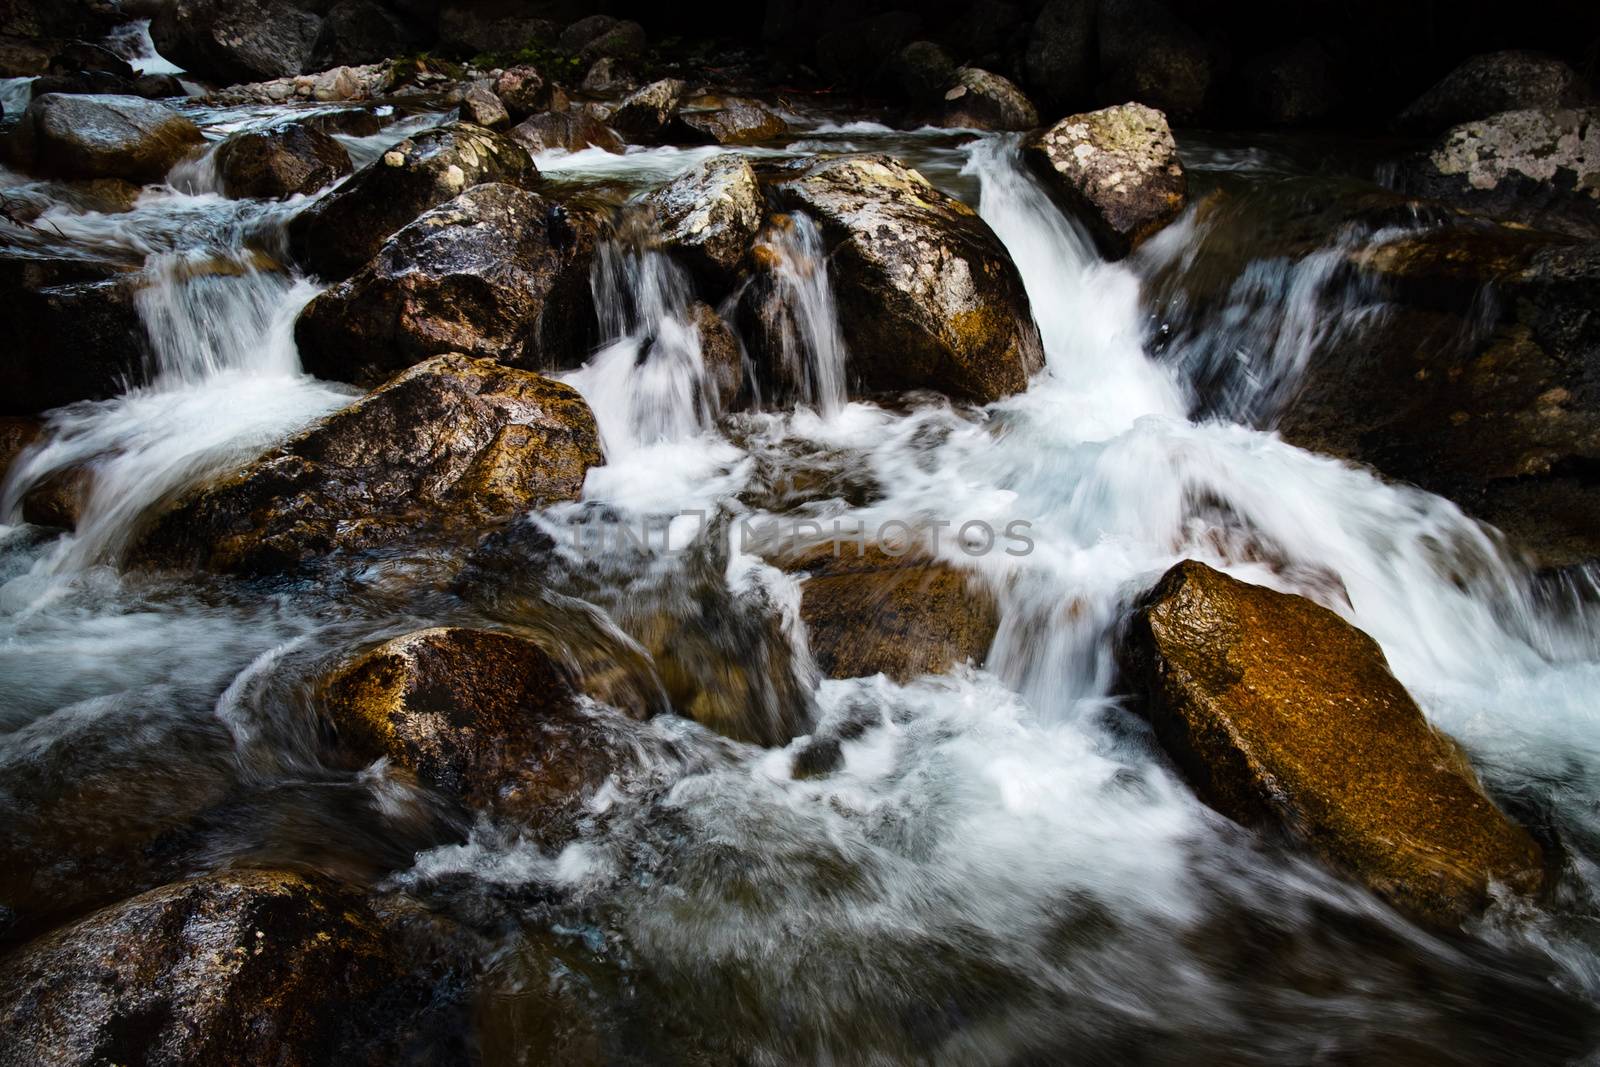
[1002, 868]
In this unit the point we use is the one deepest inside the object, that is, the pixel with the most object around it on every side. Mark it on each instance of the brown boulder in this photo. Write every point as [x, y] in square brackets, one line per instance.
[731, 121]
[497, 272]
[16, 434]
[245, 966]
[525, 91]
[93, 136]
[483, 108]
[473, 713]
[646, 115]
[927, 294]
[1283, 714]
[571, 131]
[1117, 169]
[721, 355]
[449, 446]
[280, 161]
[868, 611]
[340, 232]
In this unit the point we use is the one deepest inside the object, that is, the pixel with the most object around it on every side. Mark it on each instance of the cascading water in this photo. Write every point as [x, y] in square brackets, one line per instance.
[1002, 866]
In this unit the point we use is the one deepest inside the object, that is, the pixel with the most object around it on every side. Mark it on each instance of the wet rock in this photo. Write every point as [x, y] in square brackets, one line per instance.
[22, 57]
[1486, 401]
[1117, 169]
[569, 131]
[979, 100]
[76, 334]
[236, 40]
[102, 137]
[1060, 60]
[449, 446]
[1294, 84]
[80, 56]
[1486, 85]
[645, 115]
[16, 434]
[361, 31]
[1147, 54]
[709, 215]
[158, 86]
[1535, 166]
[58, 500]
[344, 229]
[351, 121]
[1282, 714]
[240, 966]
[482, 108]
[722, 356]
[603, 37]
[927, 294]
[873, 612]
[609, 76]
[735, 121]
[498, 272]
[525, 92]
[923, 71]
[280, 161]
[468, 712]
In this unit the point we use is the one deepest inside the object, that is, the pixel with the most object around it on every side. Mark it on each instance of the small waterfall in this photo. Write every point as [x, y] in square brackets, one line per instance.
[132, 42]
[647, 382]
[798, 315]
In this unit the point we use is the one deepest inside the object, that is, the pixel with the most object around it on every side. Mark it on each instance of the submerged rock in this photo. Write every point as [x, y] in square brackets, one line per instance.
[236, 40]
[1486, 85]
[498, 272]
[91, 136]
[450, 446]
[1282, 714]
[472, 713]
[571, 131]
[980, 100]
[1118, 170]
[280, 161]
[1540, 166]
[76, 333]
[709, 215]
[245, 966]
[344, 229]
[644, 117]
[927, 294]
[872, 612]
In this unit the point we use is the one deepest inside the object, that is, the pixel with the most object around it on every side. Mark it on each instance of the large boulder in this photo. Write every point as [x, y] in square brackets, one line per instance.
[603, 37]
[1489, 401]
[280, 161]
[474, 714]
[730, 121]
[76, 333]
[237, 40]
[471, 27]
[344, 229]
[92, 136]
[498, 273]
[870, 611]
[569, 131]
[1285, 716]
[1117, 169]
[1060, 60]
[1539, 166]
[709, 215]
[244, 966]
[1488, 84]
[81, 56]
[1150, 55]
[450, 446]
[525, 91]
[481, 107]
[980, 100]
[922, 71]
[1293, 84]
[647, 114]
[927, 294]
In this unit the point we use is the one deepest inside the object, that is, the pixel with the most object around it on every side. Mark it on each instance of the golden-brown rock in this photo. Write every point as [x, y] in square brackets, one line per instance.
[869, 612]
[449, 446]
[478, 714]
[16, 434]
[1283, 714]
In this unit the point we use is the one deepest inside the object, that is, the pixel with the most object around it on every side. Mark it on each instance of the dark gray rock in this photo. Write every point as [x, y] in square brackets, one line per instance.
[280, 161]
[1488, 84]
[237, 40]
[1061, 61]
